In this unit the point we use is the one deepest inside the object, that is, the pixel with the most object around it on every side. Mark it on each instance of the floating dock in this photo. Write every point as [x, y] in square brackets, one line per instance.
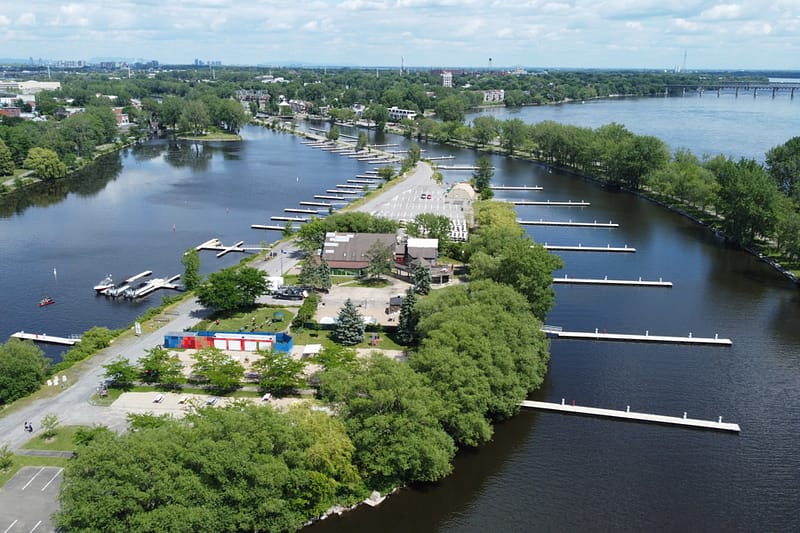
[119, 289]
[568, 223]
[289, 219]
[581, 248]
[269, 227]
[441, 158]
[568, 203]
[154, 285]
[329, 197]
[215, 245]
[459, 167]
[350, 187]
[606, 281]
[301, 211]
[684, 421]
[317, 204]
[341, 191]
[558, 333]
[41, 337]
[515, 187]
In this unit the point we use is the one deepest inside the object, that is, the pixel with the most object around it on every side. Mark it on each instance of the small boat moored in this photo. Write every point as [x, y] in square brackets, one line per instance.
[46, 301]
[104, 285]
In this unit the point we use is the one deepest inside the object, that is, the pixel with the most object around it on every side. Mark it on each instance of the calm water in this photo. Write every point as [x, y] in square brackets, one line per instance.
[542, 472]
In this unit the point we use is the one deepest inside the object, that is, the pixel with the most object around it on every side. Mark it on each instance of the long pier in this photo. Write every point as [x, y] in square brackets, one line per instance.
[459, 167]
[269, 227]
[627, 414]
[289, 219]
[516, 188]
[329, 197]
[341, 191]
[154, 285]
[626, 337]
[581, 248]
[317, 204]
[301, 211]
[568, 203]
[568, 223]
[41, 337]
[606, 281]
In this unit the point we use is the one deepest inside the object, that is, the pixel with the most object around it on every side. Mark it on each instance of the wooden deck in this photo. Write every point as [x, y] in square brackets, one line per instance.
[716, 425]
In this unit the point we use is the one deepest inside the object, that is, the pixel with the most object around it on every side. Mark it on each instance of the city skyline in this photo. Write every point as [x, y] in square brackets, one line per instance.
[634, 34]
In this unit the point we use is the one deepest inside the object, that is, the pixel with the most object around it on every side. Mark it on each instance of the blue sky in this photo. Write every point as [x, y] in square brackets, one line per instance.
[756, 34]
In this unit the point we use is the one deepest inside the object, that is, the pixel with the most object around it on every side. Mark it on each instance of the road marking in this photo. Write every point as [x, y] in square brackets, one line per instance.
[34, 527]
[12, 525]
[52, 478]
[31, 480]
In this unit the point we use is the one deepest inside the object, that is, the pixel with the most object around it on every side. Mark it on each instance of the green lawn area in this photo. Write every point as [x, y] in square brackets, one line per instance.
[310, 336]
[19, 461]
[63, 441]
[372, 283]
[261, 317]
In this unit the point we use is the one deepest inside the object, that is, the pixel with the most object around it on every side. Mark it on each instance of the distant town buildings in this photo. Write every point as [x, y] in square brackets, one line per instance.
[447, 79]
[28, 87]
[494, 95]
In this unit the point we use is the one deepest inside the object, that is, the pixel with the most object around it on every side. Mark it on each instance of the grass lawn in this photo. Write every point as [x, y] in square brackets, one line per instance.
[323, 337]
[212, 135]
[19, 461]
[372, 283]
[63, 441]
[261, 317]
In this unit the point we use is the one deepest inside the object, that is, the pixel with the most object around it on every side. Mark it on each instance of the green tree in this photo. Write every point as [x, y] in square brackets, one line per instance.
[333, 133]
[512, 135]
[747, 200]
[50, 424]
[160, 366]
[392, 417]
[413, 153]
[788, 232]
[783, 165]
[230, 115]
[7, 165]
[6, 457]
[379, 257]
[450, 109]
[362, 141]
[23, 367]
[288, 229]
[232, 289]
[421, 276]
[430, 226]
[191, 269]
[170, 111]
[45, 163]
[485, 129]
[387, 173]
[407, 323]
[377, 114]
[218, 368]
[195, 117]
[279, 372]
[482, 178]
[121, 373]
[106, 122]
[349, 329]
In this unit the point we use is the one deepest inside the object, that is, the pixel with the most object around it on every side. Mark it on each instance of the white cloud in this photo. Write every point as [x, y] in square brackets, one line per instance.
[686, 25]
[4, 20]
[722, 12]
[755, 28]
[634, 25]
[26, 19]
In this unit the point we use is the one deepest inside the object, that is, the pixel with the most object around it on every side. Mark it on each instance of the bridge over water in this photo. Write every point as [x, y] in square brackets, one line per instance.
[745, 87]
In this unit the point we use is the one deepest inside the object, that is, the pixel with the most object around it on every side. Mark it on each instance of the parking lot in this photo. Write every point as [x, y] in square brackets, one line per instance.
[29, 498]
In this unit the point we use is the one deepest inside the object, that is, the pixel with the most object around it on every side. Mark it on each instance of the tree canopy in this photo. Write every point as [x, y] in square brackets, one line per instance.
[23, 368]
[231, 289]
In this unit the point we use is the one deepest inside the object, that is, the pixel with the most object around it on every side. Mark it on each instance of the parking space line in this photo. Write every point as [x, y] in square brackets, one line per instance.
[12, 525]
[34, 527]
[31, 479]
[52, 478]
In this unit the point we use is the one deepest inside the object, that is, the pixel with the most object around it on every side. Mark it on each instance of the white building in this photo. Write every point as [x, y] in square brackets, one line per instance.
[397, 114]
[494, 95]
[447, 79]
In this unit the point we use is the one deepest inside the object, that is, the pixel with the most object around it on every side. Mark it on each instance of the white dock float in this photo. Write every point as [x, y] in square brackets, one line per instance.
[372, 177]
[382, 145]
[568, 203]
[342, 191]
[684, 421]
[329, 197]
[301, 211]
[349, 186]
[268, 227]
[158, 283]
[581, 248]
[516, 187]
[41, 337]
[627, 337]
[317, 204]
[459, 167]
[289, 219]
[568, 223]
[606, 281]
[440, 158]
[368, 182]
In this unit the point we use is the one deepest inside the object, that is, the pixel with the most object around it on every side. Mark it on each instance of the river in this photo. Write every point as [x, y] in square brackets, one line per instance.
[541, 472]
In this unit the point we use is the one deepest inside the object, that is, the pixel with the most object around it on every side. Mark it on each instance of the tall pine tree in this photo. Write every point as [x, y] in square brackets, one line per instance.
[409, 317]
[422, 278]
[349, 329]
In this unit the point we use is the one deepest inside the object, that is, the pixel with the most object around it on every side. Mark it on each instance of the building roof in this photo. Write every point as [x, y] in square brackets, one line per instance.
[416, 242]
[462, 190]
[349, 250]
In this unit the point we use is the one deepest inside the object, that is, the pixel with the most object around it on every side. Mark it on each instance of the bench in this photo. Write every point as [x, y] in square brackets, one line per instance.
[159, 398]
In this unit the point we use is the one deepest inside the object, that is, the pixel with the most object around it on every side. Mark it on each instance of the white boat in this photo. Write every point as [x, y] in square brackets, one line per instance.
[104, 285]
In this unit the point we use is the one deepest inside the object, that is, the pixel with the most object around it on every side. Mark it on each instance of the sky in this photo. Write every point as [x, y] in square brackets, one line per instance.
[649, 34]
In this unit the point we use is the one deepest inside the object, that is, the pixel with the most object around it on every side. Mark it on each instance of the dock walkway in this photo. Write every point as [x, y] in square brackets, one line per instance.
[605, 281]
[41, 337]
[558, 333]
[684, 421]
[568, 223]
[581, 248]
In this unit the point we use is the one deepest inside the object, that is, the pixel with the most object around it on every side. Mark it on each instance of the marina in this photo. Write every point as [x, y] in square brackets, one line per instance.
[317, 204]
[516, 188]
[568, 203]
[627, 414]
[119, 289]
[330, 197]
[606, 281]
[288, 219]
[268, 227]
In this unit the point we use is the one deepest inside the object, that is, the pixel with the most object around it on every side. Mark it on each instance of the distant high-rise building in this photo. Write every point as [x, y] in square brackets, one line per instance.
[447, 79]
